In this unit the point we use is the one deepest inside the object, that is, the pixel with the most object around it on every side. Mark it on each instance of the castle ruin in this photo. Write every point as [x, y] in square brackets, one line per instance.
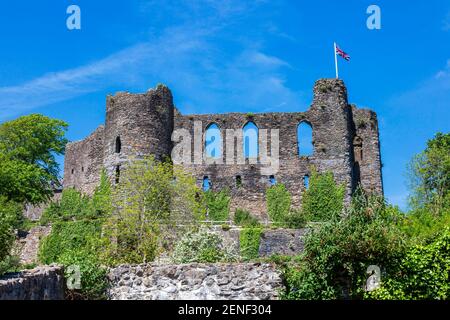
[345, 141]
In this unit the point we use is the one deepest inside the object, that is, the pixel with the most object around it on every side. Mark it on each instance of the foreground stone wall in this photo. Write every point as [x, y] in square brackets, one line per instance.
[42, 283]
[246, 281]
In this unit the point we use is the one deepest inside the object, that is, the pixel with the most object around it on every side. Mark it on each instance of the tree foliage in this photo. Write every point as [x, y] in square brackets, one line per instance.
[28, 146]
[152, 196]
[218, 205]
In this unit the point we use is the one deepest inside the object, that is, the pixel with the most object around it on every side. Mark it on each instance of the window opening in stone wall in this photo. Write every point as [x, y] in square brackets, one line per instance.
[213, 141]
[306, 181]
[357, 147]
[117, 174]
[250, 140]
[272, 180]
[206, 183]
[304, 138]
[118, 145]
[238, 181]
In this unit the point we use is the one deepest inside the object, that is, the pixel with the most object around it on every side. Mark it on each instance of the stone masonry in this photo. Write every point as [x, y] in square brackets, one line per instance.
[345, 140]
[42, 283]
[245, 281]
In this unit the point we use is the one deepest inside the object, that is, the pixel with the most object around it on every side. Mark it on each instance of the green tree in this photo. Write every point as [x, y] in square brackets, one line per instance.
[429, 174]
[323, 200]
[28, 146]
[152, 196]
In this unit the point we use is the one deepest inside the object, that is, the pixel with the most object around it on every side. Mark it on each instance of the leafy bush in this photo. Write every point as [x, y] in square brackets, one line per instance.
[201, 246]
[296, 219]
[93, 276]
[323, 200]
[249, 240]
[76, 243]
[278, 203]
[338, 253]
[422, 274]
[245, 219]
[68, 236]
[10, 218]
[218, 204]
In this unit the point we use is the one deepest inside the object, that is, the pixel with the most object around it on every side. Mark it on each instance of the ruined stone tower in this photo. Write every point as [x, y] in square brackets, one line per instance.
[345, 140]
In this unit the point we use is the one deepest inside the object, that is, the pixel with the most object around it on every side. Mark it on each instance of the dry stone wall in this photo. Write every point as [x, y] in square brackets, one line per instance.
[248, 281]
[42, 283]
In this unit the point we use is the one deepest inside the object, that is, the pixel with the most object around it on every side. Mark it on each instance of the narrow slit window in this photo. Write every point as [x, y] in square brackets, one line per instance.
[238, 181]
[306, 181]
[118, 145]
[206, 183]
[117, 174]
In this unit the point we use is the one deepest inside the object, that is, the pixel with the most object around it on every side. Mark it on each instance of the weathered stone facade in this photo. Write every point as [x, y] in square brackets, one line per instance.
[345, 141]
[42, 283]
[240, 281]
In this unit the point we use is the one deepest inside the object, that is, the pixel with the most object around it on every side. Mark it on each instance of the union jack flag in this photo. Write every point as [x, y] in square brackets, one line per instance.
[342, 53]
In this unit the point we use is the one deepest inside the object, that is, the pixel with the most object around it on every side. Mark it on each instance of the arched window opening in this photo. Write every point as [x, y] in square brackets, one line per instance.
[238, 181]
[357, 148]
[272, 180]
[117, 174]
[304, 138]
[206, 183]
[213, 141]
[118, 145]
[250, 137]
[306, 181]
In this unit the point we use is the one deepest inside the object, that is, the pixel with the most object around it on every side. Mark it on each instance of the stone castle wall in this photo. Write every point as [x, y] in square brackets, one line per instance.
[240, 281]
[41, 283]
[345, 142]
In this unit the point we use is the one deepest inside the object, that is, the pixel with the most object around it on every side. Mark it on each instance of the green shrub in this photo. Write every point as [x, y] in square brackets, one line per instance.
[76, 243]
[296, 219]
[245, 219]
[201, 246]
[73, 205]
[323, 200]
[10, 218]
[278, 201]
[422, 274]
[218, 204]
[10, 263]
[92, 275]
[249, 240]
[338, 252]
[68, 236]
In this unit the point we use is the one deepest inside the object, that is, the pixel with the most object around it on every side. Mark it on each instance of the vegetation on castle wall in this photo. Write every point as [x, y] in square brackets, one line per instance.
[244, 218]
[278, 203]
[249, 240]
[218, 205]
[323, 200]
[202, 246]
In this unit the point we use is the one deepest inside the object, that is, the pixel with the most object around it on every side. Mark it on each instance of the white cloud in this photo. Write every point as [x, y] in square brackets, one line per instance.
[446, 22]
[203, 77]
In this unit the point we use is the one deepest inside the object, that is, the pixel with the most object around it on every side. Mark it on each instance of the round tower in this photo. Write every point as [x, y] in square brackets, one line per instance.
[137, 125]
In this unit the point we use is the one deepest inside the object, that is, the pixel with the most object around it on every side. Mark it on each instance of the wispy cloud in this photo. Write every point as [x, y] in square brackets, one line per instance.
[446, 22]
[186, 56]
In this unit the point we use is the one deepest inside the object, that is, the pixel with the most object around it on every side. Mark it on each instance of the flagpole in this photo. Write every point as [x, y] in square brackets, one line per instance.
[336, 62]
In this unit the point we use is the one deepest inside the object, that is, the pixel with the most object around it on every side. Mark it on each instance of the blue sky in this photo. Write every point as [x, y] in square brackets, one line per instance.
[233, 55]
